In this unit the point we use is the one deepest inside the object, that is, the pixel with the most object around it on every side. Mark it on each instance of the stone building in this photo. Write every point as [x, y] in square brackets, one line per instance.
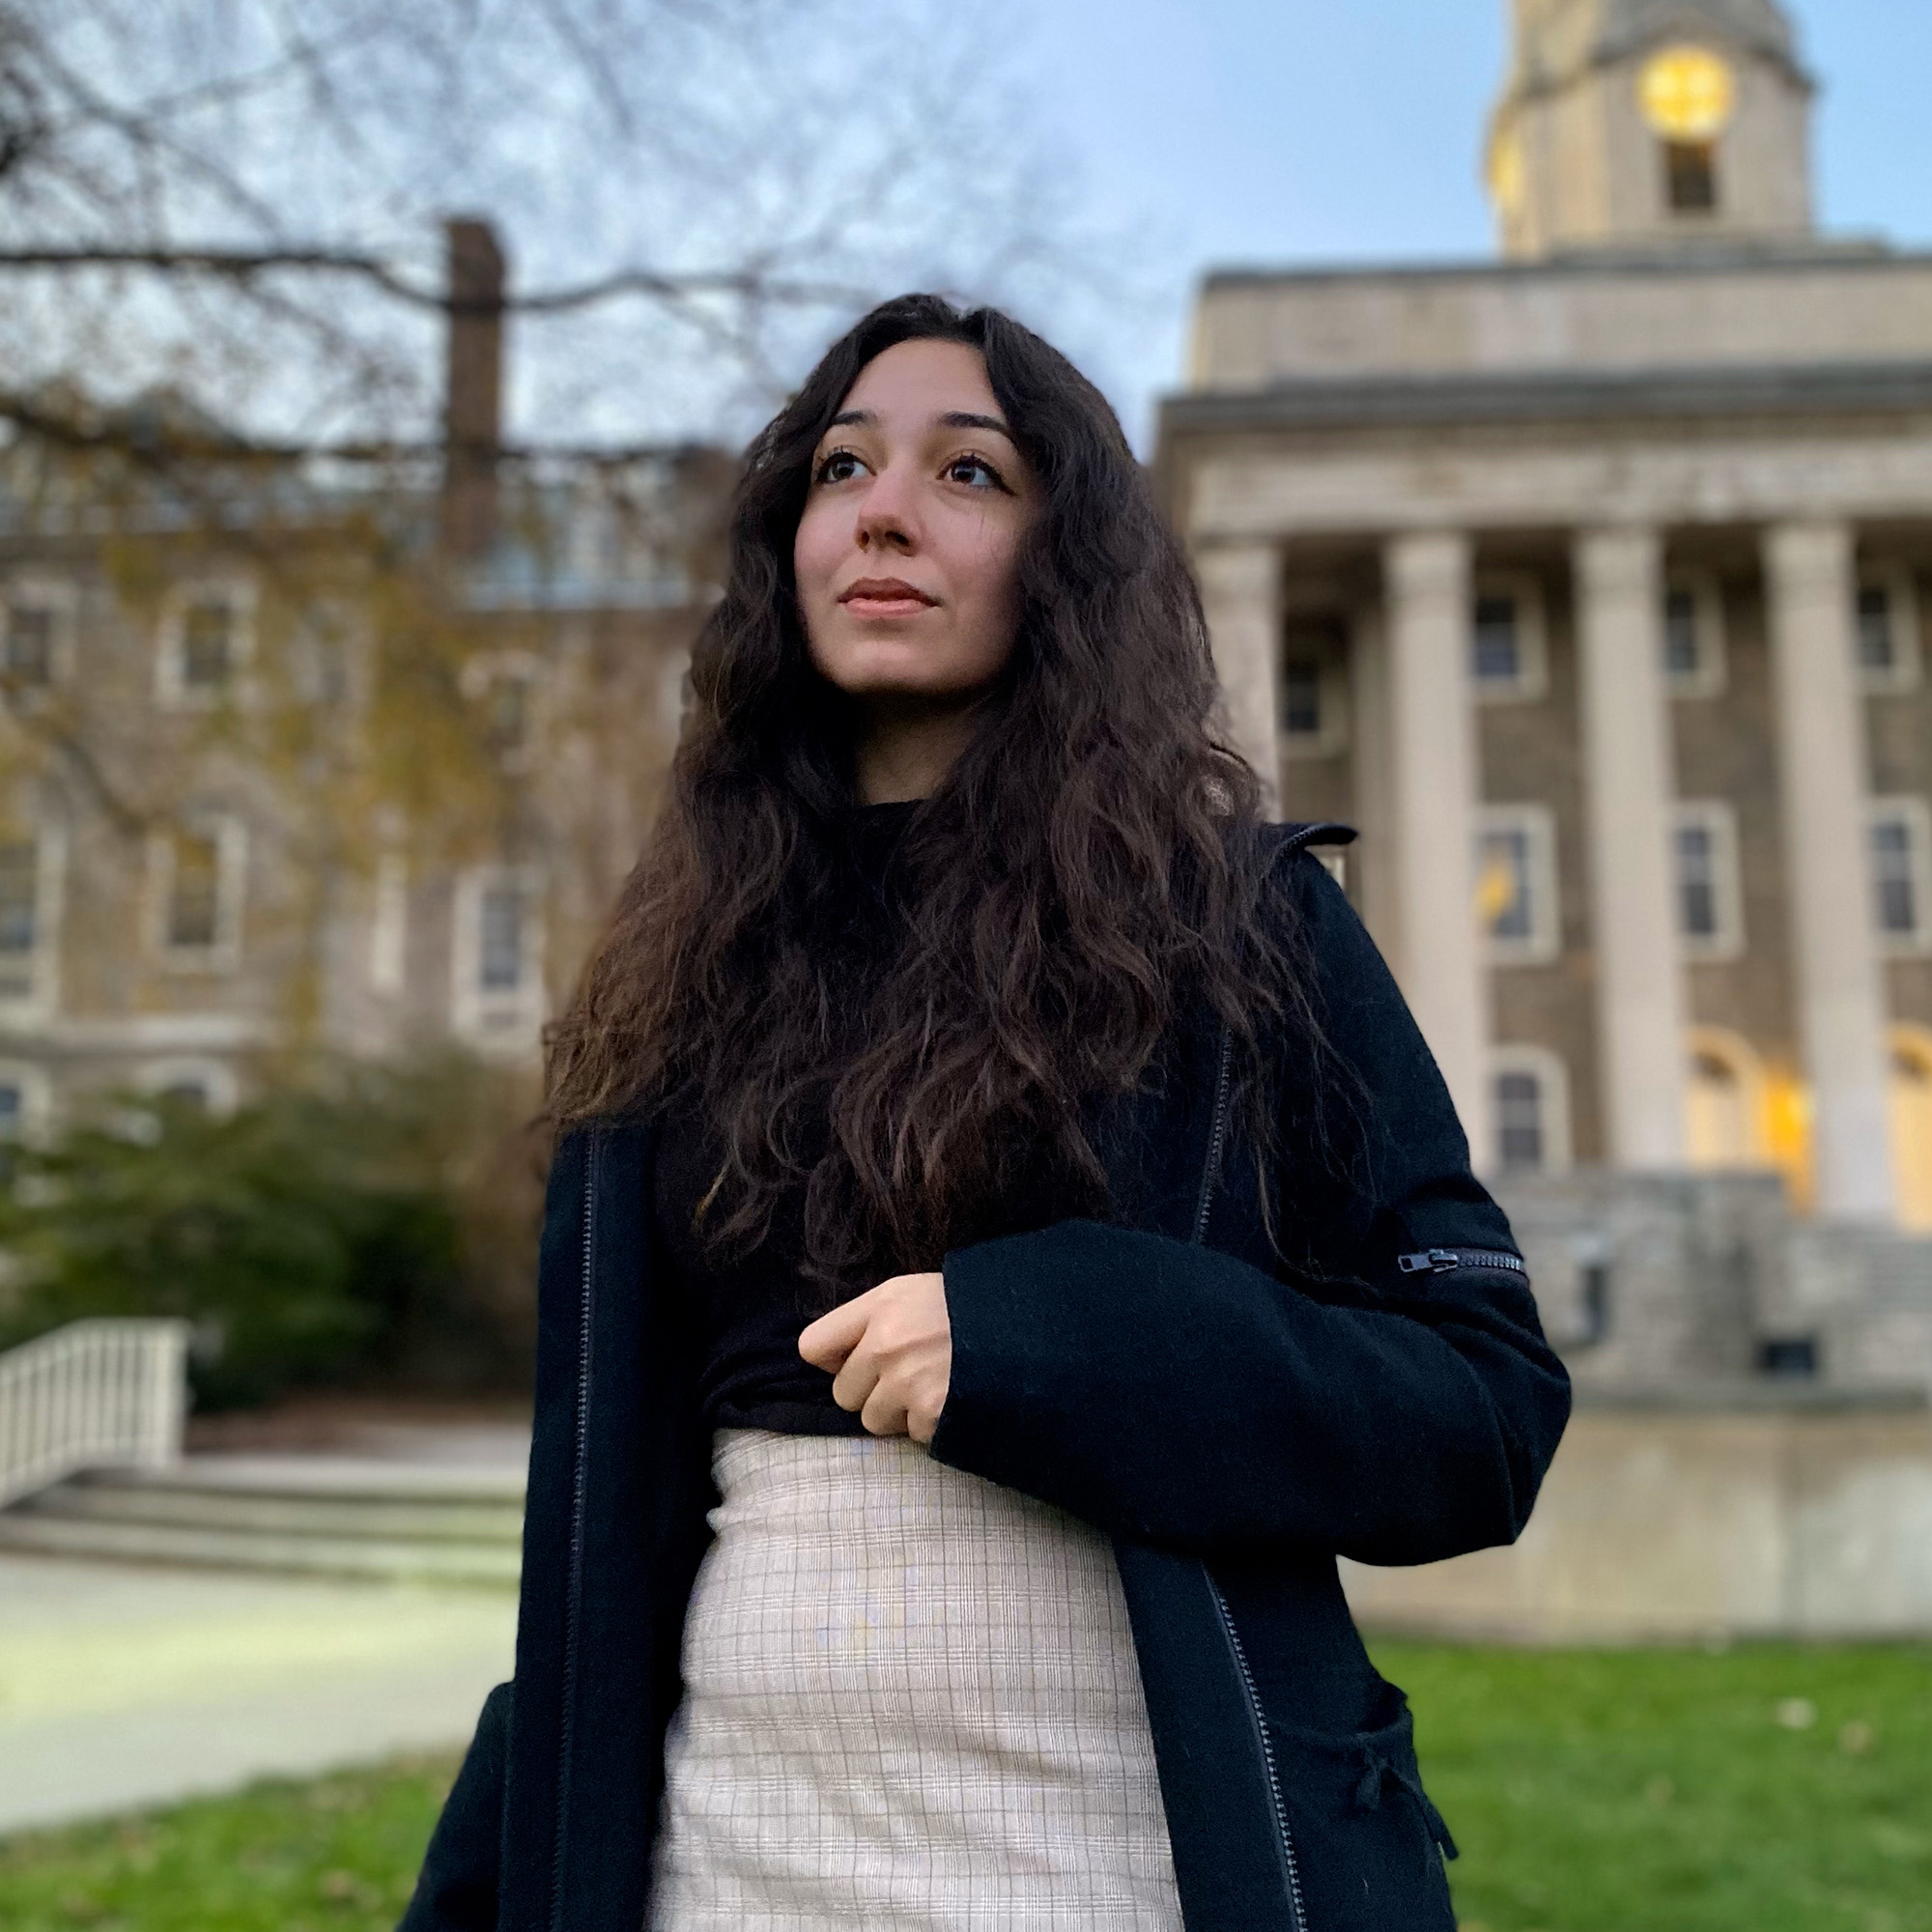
[1588, 582]
[296, 754]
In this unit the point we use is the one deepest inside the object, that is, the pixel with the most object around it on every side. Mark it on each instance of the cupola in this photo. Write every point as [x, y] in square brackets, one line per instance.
[1640, 125]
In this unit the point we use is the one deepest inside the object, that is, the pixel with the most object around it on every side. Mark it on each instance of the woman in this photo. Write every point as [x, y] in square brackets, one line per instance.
[1007, 1238]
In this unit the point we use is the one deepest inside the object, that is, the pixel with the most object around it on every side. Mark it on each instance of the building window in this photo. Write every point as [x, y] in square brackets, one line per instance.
[1301, 698]
[1498, 640]
[1681, 655]
[24, 1102]
[30, 880]
[1529, 1099]
[198, 874]
[1693, 637]
[389, 925]
[506, 713]
[208, 645]
[195, 1086]
[1596, 1291]
[1789, 1357]
[19, 901]
[504, 689]
[37, 623]
[195, 895]
[1520, 1141]
[1888, 631]
[1898, 829]
[325, 654]
[207, 640]
[1508, 652]
[1515, 883]
[502, 945]
[1697, 892]
[1710, 910]
[1691, 177]
[498, 960]
[1313, 713]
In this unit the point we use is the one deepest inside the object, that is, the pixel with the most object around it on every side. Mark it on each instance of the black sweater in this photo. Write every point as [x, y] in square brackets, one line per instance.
[747, 1310]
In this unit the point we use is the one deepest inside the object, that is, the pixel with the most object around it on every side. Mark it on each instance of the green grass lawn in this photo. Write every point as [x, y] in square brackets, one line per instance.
[337, 1855]
[1766, 1789]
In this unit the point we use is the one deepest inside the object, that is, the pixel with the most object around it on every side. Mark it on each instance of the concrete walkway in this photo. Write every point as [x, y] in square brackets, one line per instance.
[124, 1687]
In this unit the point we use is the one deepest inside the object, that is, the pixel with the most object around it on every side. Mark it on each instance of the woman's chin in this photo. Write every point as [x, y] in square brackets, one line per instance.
[895, 680]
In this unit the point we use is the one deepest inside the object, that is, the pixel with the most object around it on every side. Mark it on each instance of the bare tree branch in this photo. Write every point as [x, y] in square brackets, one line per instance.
[247, 264]
[292, 159]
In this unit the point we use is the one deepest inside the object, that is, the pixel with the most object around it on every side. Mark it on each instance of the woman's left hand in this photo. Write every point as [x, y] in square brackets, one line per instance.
[890, 1351]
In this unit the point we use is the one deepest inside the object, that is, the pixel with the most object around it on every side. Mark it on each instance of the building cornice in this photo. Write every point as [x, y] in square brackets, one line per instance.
[1886, 389]
[1847, 255]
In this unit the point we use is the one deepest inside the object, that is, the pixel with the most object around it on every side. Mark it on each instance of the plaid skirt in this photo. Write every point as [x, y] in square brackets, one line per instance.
[910, 1701]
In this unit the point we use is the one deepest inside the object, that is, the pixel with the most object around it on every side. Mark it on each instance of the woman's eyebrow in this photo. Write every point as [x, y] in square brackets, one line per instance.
[951, 419]
[965, 419]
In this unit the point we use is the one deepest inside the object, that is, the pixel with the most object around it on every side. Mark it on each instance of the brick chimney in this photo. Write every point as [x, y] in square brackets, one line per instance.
[472, 410]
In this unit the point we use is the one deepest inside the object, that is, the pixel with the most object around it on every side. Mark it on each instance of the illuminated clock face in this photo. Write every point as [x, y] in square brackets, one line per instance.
[1688, 93]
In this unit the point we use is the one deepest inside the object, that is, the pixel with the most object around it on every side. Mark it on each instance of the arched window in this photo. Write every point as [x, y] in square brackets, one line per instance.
[1723, 1091]
[1911, 1125]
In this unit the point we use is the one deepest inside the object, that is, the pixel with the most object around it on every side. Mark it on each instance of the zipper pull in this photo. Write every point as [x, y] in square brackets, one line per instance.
[1440, 1261]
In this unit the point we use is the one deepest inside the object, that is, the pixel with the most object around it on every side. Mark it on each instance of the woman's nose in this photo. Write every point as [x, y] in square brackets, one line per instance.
[885, 519]
[874, 535]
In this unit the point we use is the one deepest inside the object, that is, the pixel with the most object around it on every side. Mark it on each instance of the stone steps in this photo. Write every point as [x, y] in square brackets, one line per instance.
[332, 1517]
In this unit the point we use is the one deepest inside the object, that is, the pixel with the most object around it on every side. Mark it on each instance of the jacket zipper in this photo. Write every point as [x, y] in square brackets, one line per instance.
[572, 1603]
[1217, 1134]
[1210, 1173]
[1441, 1260]
[1290, 1868]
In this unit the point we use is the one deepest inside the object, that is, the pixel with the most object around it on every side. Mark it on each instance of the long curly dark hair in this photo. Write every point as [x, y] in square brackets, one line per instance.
[1089, 869]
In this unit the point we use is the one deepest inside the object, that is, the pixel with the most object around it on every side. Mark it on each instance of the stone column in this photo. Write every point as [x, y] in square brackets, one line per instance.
[1374, 889]
[1821, 747]
[1628, 767]
[1240, 589]
[1433, 787]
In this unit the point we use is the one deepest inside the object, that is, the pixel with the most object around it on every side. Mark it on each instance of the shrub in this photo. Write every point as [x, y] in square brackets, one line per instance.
[358, 1226]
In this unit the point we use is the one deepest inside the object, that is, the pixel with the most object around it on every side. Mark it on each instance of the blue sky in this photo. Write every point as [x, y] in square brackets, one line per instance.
[1309, 130]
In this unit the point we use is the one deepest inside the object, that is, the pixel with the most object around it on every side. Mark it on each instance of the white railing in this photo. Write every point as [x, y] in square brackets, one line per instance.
[110, 1394]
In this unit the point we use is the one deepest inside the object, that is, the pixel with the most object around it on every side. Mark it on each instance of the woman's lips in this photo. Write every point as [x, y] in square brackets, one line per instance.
[885, 597]
[886, 606]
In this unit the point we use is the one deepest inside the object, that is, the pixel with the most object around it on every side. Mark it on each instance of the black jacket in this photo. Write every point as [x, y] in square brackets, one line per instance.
[1233, 1420]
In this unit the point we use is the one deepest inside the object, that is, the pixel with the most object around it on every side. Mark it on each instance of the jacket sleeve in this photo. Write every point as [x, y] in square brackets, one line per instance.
[456, 1890]
[1171, 1393]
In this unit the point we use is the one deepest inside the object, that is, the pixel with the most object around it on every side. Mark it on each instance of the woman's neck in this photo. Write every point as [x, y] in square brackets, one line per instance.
[907, 745]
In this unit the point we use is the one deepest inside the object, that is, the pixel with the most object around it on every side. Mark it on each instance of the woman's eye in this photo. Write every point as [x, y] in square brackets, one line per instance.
[976, 473]
[840, 466]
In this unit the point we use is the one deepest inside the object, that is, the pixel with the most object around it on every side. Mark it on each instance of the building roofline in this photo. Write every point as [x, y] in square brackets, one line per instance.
[1862, 253]
[1395, 401]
